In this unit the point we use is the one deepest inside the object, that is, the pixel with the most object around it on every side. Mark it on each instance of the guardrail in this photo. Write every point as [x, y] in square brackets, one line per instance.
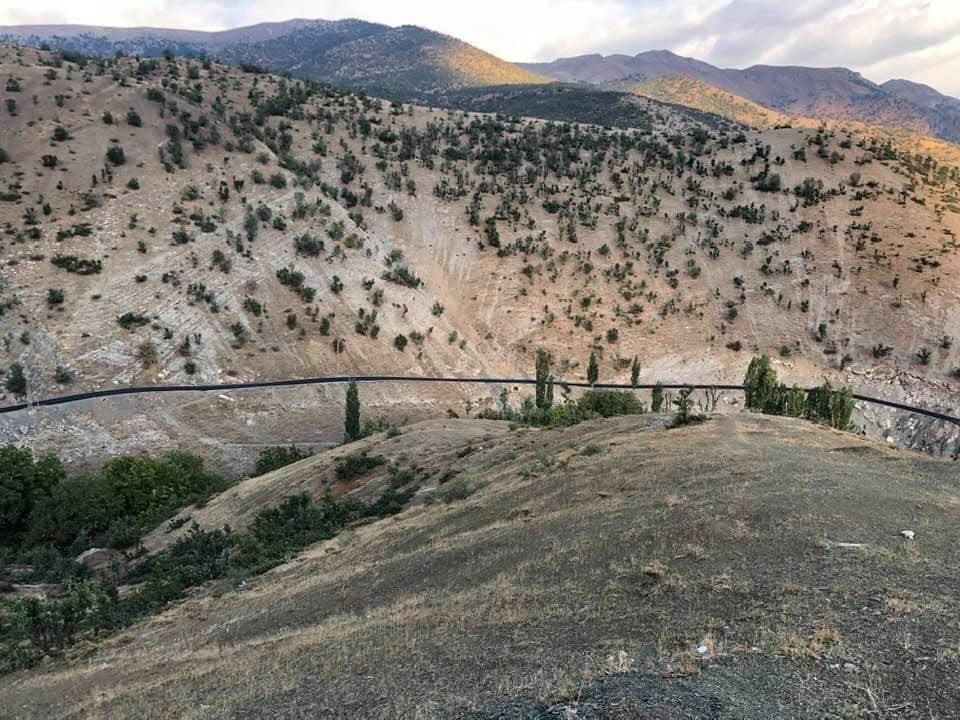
[222, 387]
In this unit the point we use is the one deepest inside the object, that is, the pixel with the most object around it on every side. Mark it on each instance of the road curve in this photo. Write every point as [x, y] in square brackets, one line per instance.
[222, 387]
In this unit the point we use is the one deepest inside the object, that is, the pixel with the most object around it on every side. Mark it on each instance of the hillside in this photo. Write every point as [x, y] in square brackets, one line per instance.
[689, 92]
[402, 61]
[822, 93]
[183, 221]
[613, 569]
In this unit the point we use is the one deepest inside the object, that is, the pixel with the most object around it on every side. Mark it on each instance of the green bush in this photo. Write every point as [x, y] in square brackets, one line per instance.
[609, 403]
[116, 155]
[274, 458]
[130, 320]
[357, 464]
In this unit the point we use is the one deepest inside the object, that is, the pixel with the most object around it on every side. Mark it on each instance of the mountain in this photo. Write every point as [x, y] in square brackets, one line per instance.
[687, 92]
[397, 61]
[823, 93]
[188, 222]
[419, 65]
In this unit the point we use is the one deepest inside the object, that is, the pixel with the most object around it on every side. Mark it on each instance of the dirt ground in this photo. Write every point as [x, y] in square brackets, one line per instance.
[615, 569]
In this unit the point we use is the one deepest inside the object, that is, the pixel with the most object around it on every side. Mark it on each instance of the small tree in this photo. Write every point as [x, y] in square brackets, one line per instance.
[656, 399]
[760, 385]
[16, 382]
[683, 404]
[351, 422]
[593, 370]
[841, 409]
[635, 372]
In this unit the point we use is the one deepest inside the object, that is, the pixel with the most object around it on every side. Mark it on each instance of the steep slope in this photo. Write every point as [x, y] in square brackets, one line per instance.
[822, 93]
[609, 570]
[694, 93]
[258, 228]
[400, 61]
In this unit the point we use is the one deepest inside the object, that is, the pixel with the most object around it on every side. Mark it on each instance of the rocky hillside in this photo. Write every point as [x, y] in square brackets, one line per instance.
[822, 93]
[184, 221]
[402, 61]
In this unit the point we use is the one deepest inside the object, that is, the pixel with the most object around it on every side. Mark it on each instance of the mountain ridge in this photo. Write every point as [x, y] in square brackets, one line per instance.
[404, 60]
[835, 93]
[413, 63]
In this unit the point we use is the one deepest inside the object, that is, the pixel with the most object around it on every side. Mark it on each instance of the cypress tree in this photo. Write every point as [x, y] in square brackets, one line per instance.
[635, 372]
[656, 399]
[351, 422]
[593, 370]
[543, 374]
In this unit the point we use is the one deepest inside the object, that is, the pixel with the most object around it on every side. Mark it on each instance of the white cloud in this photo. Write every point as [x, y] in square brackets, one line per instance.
[917, 39]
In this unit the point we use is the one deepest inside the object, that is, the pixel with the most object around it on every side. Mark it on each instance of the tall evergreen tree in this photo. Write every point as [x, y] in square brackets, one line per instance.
[593, 370]
[635, 372]
[351, 422]
[543, 375]
[656, 399]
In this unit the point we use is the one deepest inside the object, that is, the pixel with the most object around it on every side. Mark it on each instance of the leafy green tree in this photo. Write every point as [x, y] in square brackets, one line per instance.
[16, 382]
[833, 407]
[352, 420]
[635, 372]
[656, 398]
[24, 482]
[796, 402]
[841, 409]
[760, 385]
[593, 369]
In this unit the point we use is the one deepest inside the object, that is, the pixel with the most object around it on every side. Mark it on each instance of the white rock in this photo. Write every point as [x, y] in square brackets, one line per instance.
[702, 649]
[908, 534]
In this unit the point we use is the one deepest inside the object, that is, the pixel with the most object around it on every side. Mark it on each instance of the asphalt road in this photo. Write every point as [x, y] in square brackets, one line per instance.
[144, 390]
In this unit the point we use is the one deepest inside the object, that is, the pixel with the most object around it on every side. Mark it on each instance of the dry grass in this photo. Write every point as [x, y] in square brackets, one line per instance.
[536, 588]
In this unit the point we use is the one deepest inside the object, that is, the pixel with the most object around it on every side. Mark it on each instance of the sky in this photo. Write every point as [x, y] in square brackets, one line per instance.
[883, 39]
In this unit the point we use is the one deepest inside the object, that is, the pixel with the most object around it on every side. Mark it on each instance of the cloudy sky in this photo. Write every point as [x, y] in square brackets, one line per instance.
[914, 39]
